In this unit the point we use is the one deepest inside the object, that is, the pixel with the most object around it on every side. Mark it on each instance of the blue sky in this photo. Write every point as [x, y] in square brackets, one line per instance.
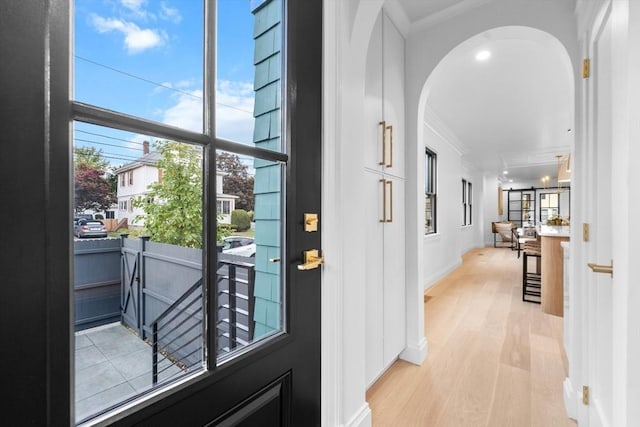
[144, 57]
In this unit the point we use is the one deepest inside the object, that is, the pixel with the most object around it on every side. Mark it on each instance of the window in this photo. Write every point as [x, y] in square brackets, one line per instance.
[549, 206]
[470, 201]
[430, 186]
[467, 196]
[464, 201]
[172, 330]
[224, 207]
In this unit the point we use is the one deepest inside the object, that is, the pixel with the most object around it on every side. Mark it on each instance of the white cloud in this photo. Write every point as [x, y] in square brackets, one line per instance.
[234, 111]
[187, 112]
[135, 6]
[136, 39]
[170, 13]
[185, 84]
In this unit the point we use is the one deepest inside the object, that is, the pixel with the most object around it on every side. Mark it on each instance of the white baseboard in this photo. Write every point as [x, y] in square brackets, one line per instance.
[571, 398]
[362, 418]
[433, 278]
[416, 353]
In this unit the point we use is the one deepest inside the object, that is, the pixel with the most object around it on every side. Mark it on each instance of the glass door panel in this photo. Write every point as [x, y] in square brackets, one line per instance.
[142, 58]
[138, 288]
[249, 198]
[184, 207]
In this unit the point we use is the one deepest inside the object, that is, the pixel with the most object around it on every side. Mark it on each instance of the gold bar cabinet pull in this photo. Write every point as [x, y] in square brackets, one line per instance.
[390, 164]
[384, 200]
[384, 143]
[596, 268]
[390, 183]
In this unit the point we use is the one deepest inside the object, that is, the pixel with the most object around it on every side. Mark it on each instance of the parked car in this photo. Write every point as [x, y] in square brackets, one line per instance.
[239, 245]
[89, 228]
[78, 217]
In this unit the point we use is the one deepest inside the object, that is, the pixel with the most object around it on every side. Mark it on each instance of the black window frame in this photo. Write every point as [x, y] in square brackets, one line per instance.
[431, 190]
[467, 198]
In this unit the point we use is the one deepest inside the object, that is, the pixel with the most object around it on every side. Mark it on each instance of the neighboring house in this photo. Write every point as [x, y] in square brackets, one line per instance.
[226, 203]
[135, 178]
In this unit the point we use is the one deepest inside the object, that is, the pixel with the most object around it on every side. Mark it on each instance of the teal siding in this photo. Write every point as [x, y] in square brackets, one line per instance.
[268, 179]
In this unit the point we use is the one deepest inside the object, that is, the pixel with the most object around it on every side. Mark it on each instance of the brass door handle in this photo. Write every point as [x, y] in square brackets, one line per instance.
[596, 268]
[311, 260]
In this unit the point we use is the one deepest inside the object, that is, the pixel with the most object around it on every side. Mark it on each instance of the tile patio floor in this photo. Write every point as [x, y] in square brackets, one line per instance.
[112, 364]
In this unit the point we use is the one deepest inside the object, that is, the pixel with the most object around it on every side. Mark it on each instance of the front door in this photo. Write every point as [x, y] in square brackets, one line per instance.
[235, 150]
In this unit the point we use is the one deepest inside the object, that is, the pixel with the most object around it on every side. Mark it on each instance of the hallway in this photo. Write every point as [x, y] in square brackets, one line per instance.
[493, 359]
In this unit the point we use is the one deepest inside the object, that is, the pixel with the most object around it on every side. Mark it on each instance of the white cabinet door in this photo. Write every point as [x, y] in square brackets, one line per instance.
[394, 274]
[385, 272]
[393, 96]
[384, 171]
[372, 130]
[373, 243]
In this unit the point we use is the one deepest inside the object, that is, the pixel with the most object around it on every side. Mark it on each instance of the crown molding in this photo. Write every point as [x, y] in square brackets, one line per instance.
[437, 125]
[398, 16]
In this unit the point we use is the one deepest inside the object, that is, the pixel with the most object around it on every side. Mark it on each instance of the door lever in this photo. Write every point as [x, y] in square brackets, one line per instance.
[596, 268]
[311, 260]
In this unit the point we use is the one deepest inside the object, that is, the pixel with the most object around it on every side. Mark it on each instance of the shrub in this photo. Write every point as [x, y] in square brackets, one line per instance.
[240, 220]
[251, 216]
[98, 216]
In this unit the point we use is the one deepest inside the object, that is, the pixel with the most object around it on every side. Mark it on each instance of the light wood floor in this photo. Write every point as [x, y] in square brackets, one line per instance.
[493, 359]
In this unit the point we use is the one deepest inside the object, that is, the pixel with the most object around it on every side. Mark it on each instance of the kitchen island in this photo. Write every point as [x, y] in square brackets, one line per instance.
[552, 295]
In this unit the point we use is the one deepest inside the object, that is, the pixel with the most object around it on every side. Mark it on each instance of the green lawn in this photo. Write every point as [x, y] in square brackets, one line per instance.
[249, 233]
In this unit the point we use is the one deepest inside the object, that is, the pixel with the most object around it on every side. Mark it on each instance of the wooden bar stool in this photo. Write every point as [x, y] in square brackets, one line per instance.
[531, 281]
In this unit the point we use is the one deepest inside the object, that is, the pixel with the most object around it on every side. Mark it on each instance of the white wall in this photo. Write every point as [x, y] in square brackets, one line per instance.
[490, 207]
[443, 250]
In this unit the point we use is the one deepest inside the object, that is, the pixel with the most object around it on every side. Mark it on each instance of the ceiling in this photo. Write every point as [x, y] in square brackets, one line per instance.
[512, 111]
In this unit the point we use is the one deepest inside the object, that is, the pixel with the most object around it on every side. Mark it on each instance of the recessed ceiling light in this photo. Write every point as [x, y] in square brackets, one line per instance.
[505, 172]
[483, 55]
[510, 180]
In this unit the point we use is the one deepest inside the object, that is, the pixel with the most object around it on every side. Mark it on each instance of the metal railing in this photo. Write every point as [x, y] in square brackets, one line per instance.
[236, 303]
[177, 333]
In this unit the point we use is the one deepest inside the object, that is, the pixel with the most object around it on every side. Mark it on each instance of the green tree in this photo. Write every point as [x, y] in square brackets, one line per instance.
[90, 156]
[237, 180]
[173, 207]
